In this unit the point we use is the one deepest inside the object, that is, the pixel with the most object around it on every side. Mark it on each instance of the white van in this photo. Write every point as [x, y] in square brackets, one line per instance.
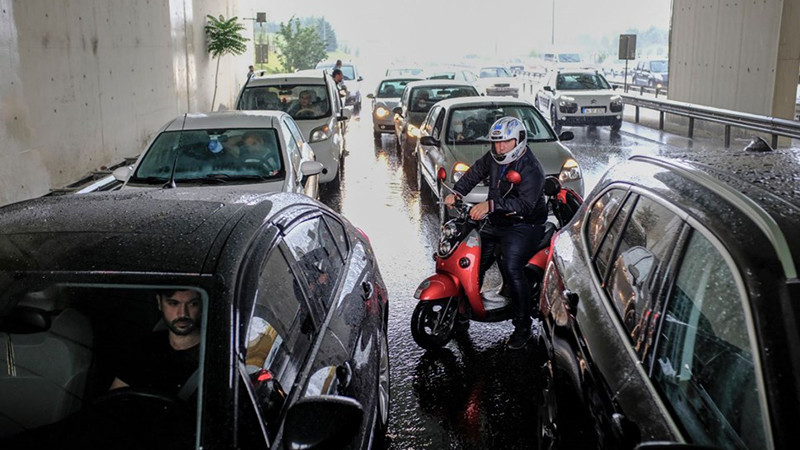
[311, 98]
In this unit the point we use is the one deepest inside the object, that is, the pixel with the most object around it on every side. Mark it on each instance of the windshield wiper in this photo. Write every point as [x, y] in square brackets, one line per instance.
[149, 180]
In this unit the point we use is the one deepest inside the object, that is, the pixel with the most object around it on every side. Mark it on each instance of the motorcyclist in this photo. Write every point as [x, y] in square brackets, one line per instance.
[517, 214]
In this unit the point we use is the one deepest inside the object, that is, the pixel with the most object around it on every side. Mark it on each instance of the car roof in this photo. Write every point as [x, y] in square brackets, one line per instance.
[409, 78]
[154, 230]
[579, 71]
[481, 101]
[437, 83]
[310, 76]
[225, 119]
[759, 185]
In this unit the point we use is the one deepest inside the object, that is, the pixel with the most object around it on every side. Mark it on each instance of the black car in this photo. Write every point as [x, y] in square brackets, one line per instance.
[671, 306]
[652, 73]
[288, 321]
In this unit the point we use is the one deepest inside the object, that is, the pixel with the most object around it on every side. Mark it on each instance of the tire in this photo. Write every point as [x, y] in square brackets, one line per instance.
[377, 135]
[616, 125]
[554, 120]
[433, 323]
[420, 182]
[382, 394]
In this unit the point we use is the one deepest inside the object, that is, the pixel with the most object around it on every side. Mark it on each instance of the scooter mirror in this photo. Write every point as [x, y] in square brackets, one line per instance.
[513, 177]
[441, 174]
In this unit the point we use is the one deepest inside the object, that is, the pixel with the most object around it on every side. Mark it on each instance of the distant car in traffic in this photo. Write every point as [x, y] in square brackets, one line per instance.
[455, 133]
[579, 98]
[400, 72]
[282, 297]
[671, 307]
[352, 82]
[451, 73]
[259, 150]
[385, 99]
[497, 80]
[652, 73]
[417, 100]
[311, 98]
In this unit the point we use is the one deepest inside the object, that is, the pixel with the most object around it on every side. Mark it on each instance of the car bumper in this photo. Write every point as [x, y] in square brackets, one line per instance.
[577, 120]
[383, 125]
[507, 92]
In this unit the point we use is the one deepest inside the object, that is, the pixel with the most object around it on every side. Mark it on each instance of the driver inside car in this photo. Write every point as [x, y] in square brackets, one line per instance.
[167, 359]
[305, 106]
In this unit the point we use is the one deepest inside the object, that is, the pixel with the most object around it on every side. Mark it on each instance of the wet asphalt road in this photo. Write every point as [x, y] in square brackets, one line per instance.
[475, 393]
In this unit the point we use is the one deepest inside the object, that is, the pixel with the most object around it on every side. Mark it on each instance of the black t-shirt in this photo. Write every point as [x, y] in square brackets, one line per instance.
[154, 364]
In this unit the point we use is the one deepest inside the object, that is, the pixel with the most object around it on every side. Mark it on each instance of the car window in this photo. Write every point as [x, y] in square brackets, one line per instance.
[281, 329]
[339, 234]
[494, 72]
[64, 344]
[294, 151]
[292, 145]
[438, 121]
[205, 156]
[581, 81]
[609, 240]
[704, 357]
[430, 119]
[645, 245]
[318, 259]
[601, 215]
[301, 101]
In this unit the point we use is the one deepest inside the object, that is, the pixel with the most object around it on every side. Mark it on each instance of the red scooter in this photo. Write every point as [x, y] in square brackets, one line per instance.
[451, 297]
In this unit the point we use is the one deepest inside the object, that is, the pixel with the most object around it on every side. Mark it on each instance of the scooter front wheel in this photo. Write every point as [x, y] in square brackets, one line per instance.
[433, 323]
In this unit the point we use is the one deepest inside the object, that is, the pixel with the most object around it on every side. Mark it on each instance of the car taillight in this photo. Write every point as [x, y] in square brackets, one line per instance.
[363, 234]
[554, 299]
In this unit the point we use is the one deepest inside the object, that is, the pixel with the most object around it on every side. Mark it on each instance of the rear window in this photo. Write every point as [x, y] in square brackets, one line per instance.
[392, 88]
[423, 98]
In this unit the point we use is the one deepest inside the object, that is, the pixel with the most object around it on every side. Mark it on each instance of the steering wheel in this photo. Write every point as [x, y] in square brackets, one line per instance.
[307, 112]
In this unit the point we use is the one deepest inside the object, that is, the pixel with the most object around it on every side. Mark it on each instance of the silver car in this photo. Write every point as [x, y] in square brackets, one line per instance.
[455, 134]
[260, 150]
[384, 100]
[579, 98]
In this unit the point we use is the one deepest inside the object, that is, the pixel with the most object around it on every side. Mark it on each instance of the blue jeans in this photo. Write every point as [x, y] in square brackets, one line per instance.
[517, 244]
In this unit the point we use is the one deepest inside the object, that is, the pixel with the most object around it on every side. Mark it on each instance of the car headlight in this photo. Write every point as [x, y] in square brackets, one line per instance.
[566, 98]
[567, 106]
[459, 170]
[381, 112]
[413, 131]
[320, 134]
[570, 171]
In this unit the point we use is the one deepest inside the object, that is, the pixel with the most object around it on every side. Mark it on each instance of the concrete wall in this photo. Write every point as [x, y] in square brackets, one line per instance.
[738, 55]
[86, 83]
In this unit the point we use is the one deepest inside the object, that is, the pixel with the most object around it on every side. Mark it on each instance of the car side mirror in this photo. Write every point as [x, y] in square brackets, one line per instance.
[398, 110]
[614, 87]
[566, 136]
[360, 78]
[346, 114]
[429, 141]
[370, 95]
[324, 421]
[548, 89]
[309, 168]
[122, 173]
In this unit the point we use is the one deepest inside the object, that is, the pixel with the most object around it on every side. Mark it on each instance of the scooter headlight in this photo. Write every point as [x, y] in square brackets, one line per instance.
[449, 230]
[444, 247]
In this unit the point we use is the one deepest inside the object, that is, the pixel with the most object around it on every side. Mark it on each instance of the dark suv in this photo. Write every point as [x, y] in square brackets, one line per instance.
[671, 307]
[652, 73]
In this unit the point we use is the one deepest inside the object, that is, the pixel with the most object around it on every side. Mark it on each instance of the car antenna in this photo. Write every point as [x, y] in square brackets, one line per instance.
[171, 183]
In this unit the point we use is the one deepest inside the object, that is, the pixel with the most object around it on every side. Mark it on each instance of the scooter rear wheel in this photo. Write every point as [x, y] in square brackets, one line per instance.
[433, 323]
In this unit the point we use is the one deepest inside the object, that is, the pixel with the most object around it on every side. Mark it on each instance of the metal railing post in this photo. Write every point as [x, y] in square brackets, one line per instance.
[661, 120]
[727, 136]
[691, 127]
[637, 114]
[774, 141]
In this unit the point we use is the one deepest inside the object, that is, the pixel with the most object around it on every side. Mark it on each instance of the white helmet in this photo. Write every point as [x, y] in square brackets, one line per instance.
[504, 129]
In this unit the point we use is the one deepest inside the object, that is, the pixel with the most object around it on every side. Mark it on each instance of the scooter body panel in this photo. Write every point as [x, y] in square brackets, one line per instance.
[438, 286]
[468, 250]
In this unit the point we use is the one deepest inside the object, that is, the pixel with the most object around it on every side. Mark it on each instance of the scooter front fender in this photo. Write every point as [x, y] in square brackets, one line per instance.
[438, 286]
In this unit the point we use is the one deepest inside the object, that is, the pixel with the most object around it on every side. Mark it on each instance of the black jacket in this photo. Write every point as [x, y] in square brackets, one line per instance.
[524, 203]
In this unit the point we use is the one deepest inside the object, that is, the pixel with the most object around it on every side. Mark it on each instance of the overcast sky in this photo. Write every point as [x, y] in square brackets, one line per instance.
[404, 28]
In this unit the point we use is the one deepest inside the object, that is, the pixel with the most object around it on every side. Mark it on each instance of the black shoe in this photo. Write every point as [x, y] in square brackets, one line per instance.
[519, 338]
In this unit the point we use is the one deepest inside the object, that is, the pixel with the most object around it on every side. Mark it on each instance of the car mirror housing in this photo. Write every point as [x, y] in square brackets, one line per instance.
[360, 78]
[566, 136]
[429, 141]
[398, 110]
[309, 168]
[370, 95]
[346, 114]
[325, 421]
[548, 89]
[122, 173]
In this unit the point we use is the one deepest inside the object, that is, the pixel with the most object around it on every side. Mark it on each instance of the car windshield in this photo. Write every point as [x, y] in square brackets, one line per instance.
[569, 57]
[392, 88]
[471, 124]
[423, 98]
[98, 357]
[301, 101]
[403, 72]
[581, 81]
[658, 66]
[212, 157]
[494, 72]
[442, 76]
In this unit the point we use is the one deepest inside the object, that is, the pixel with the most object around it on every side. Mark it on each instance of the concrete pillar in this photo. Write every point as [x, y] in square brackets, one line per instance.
[741, 55]
[86, 83]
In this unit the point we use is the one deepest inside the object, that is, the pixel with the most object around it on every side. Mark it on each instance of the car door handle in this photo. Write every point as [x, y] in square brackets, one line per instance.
[368, 290]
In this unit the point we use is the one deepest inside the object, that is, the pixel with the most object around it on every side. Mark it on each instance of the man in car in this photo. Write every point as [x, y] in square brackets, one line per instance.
[305, 106]
[516, 214]
[338, 76]
[254, 149]
[167, 360]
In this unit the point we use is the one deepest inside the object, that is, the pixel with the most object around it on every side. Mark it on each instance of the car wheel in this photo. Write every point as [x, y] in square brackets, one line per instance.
[554, 120]
[651, 84]
[383, 394]
[536, 102]
[420, 182]
[433, 323]
[377, 136]
[616, 125]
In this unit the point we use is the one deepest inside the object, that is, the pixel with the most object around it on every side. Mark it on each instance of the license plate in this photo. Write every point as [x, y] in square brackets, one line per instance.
[594, 110]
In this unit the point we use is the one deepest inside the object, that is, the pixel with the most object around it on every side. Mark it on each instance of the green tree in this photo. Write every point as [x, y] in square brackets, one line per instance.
[224, 38]
[301, 47]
